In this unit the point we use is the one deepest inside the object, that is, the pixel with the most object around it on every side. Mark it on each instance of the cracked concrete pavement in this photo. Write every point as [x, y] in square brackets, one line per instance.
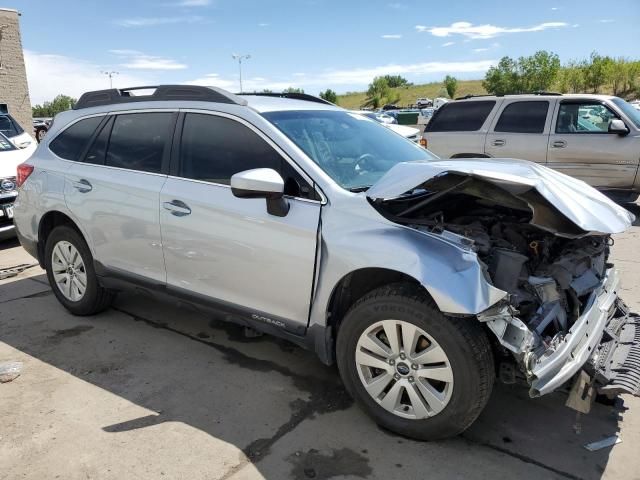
[151, 388]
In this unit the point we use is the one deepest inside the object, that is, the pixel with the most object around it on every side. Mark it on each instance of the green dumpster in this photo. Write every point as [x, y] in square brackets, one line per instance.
[407, 118]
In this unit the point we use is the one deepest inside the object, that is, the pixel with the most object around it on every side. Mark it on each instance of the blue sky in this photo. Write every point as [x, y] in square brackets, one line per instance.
[313, 44]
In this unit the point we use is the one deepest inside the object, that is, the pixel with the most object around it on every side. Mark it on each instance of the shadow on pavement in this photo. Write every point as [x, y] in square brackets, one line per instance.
[272, 400]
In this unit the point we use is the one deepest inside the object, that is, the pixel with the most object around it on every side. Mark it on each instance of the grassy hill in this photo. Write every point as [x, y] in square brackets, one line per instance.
[408, 95]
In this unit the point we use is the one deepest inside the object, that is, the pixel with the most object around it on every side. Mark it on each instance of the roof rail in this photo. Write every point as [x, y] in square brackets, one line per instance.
[512, 94]
[161, 92]
[291, 95]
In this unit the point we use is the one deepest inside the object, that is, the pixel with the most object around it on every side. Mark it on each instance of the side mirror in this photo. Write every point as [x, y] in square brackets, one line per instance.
[618, 127]
[262, 183]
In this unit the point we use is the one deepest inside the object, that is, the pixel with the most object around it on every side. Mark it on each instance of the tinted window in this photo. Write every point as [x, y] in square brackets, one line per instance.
[137, 141]
[523, 117]
[460, 116]
[9, 127]
[71, 142]
[584, 118]
[98, 150]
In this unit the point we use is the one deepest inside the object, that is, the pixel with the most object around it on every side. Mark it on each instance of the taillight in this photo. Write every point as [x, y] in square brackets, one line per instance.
[24, 170]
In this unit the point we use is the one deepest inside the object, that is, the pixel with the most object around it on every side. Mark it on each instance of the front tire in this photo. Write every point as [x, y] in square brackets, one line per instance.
[69, 266]
[414, 370]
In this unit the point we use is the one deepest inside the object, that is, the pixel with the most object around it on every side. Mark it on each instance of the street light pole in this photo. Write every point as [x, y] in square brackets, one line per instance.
[235, 56]
[110, 75]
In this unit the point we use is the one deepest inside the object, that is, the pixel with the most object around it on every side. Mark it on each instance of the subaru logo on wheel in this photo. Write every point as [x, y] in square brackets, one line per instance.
[7, 185]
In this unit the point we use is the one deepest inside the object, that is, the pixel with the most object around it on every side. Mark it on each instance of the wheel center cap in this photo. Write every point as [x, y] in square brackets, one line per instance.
[403, 369]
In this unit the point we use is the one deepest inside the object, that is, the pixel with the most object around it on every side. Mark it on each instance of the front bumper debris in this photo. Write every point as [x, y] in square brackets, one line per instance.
[615, 366]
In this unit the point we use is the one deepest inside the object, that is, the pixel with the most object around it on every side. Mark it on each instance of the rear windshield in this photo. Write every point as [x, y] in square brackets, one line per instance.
[460, 116]
[9, 127]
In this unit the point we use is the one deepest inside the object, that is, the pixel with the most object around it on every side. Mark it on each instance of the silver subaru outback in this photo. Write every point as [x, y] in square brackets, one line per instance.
[423, 279]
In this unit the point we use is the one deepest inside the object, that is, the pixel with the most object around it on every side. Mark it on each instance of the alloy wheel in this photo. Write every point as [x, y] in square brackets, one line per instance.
[69, 271]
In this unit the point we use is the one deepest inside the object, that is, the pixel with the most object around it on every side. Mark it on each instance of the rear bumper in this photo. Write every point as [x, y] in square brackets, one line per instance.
[561, 361]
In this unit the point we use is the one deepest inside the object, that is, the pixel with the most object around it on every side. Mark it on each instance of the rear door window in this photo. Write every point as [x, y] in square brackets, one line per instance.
[461, 116]
[523, 117]
[138, 141]
[9, 127]
[72, 141]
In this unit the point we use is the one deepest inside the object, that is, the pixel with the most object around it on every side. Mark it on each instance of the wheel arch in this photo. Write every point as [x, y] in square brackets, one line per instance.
[48, 222]
[358, 283]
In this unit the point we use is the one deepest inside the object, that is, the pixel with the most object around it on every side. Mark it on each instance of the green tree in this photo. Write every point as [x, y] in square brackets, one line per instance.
[329, 95]
[538, 72]
[596, 72]
[451, 85]
[396, 81]
[503, 78]
[293, 90]
[55, 106]
[379, 93]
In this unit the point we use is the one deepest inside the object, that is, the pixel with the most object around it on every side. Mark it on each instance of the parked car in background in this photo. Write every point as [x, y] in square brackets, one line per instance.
[10, 128]
[424, 102]
[417, 276]
[595, 138]
[409, 133]
[40, 127]
[439, 102]
[10, 157]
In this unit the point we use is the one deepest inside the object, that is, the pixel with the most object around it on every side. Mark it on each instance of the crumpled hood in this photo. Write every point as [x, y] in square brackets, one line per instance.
[580, 203]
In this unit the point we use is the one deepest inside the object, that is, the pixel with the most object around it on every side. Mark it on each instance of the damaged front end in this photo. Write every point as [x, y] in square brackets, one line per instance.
[561, 314]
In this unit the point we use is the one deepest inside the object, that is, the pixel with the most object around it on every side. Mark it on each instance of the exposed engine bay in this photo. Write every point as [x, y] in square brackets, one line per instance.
[546, 264]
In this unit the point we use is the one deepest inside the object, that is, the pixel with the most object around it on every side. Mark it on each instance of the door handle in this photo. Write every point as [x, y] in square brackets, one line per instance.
[177, 208]
[499, 143]
[83, 186]
[559, 144]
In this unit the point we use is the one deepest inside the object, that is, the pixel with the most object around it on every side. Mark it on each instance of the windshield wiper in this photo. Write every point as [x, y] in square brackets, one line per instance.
[362, 188]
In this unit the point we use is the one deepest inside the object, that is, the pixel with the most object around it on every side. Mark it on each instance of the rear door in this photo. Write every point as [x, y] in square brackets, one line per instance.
[520, 130]
[114, 193]
[580, 145]
[229, 249]
[459, 128]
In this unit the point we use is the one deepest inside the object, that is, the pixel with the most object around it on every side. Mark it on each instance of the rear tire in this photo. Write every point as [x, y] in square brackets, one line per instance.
[69, 265]
[464, 357]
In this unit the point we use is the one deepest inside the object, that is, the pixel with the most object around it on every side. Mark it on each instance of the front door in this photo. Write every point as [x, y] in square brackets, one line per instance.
[580, 145]
[521, 130]
[229, 249]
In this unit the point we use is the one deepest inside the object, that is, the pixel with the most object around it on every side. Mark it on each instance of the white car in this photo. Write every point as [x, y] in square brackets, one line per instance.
[10, 157]
[14, 132]
[409, 133]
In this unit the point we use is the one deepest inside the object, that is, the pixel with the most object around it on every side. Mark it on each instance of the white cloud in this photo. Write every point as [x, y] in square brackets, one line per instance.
[263, 24]
[345, 78]
[448, 44]
[50, 75]
[606, 20]
[554, 8]
[155, 21]
[478, 50]
[393, 36]
[397, 5]
[484, 31]
[135, 60]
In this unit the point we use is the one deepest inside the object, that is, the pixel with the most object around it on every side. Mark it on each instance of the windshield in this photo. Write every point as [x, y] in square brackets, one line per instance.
[628, 110]
[353, 150]
[5, 144]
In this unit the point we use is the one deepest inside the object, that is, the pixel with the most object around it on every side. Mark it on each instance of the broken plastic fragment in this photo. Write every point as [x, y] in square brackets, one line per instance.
[9, 371]
[604, 443]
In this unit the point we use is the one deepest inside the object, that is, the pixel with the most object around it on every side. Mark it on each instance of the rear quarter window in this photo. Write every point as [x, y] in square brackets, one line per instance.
[461, 116]
[72, 141]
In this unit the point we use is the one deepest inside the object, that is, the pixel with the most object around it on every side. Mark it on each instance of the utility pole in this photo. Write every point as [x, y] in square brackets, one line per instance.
[110, 75]
[235, 56]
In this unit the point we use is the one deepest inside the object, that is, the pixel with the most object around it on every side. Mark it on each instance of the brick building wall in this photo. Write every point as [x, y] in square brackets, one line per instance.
[14, 90]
